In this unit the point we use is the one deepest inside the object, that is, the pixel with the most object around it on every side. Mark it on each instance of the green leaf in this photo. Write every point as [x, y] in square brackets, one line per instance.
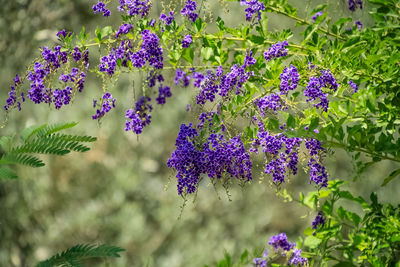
[188, 55]
[312, 241]
[393, 175]
[206, 52]
[6, 173]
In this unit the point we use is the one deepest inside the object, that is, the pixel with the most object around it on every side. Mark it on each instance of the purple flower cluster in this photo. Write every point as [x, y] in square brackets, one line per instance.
[319, 220]
[151, 50]
[64, 34]
[135, 7]
[181, 76]
[261, 262]
[318, 172]
[280, 242]
[281, 153]
[123, 52]
[277, 50]
[163, 93]
[254, 6]
[100, 7]
[354, 3]
[272, 102]
[167, 19]
[354, 86]
[316, 15]
[215, 157]
[187, 40]
[289, 79]
[314, 89]
[124, 29]
[281, 247]
[139, 117]
[222, 84]
[12, 95]
[359, 25]
[189, 10]
[296, 258]
[108, 103]
[62, 97]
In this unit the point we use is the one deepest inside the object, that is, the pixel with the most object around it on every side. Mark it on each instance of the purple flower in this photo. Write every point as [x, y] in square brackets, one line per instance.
[188, 10]
[353, 4]
[64, 34]
[316, 15]
[254, 6]
[354, 86]
[319, 220]
[77, 55]
[167, 19]
[62, 97]
[277, 50]
[12, 95]
[187, 40]
[100, 7]
[272, 102]
[260, 262]
[289, 79]
[135, 7]
[108, 103]
[124, 29]
[359, 25]
[249, 60]
[163, 93]
[296, 259]
[280, 242]
[139, 117]
[181, 76]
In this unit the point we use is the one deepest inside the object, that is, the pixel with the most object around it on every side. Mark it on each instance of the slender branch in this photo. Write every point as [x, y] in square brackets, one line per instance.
[303, 21]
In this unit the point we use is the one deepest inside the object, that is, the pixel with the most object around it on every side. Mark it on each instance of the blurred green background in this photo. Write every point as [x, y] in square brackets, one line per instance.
[121, 192]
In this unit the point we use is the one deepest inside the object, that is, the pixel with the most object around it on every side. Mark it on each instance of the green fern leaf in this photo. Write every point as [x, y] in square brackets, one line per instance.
[75, 138]
[6, 173]
[5, 143]
[30, 131]
[56, 127]
[21, 159]
[74, 256]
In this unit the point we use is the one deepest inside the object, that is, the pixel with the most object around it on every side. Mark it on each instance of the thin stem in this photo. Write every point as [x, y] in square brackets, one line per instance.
[303, 21]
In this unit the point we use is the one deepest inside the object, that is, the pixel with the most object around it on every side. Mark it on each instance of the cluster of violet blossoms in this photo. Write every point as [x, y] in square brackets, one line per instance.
[314, 89]
[187, 40]
[282, 247]
[253, 6]
[100, 7]
[212, 83]
[135, 7]
[189, 10]
[277, 50]
[273, 102]
[46, 68]
[167, 19]
[12, 95]
[215, 157]
[289, 79]
[139, 117]
[354, 3]
[108, 103]
[316, 15]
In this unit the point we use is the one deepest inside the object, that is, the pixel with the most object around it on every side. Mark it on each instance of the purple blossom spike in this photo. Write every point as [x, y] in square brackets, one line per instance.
[277, 50]
[135, 7]
[316, 15]
[272, 102]
[280, 242]
[289, 79]
[107, 104]
[167, 19]
[319, 220]
[187, 40]
[296, 259]
[100, 7]
[189, 10]
[354, 3]
[253, 7]
[354, 86]
[124, 29]
[139, 117]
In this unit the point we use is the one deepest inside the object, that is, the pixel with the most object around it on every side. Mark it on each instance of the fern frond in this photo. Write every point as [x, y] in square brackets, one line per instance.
[41, 147]
[21, 159]
[56, 127]
[75, 138]
[30, 131]
[5, 143]
[6, 173]
[74, 256]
